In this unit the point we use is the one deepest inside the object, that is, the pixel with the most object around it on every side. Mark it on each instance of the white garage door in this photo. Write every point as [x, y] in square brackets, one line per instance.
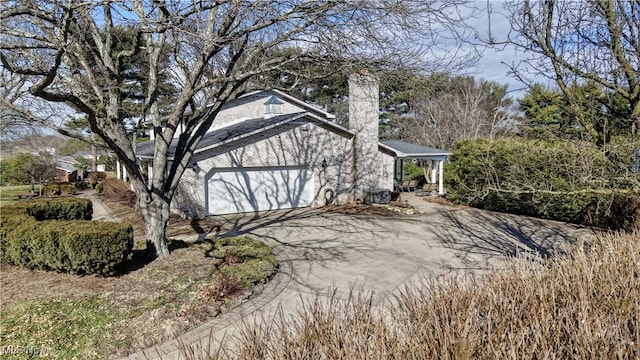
[239, 191]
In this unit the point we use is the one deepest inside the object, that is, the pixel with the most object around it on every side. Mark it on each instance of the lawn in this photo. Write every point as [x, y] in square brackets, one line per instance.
[61, 316]
[9, 194]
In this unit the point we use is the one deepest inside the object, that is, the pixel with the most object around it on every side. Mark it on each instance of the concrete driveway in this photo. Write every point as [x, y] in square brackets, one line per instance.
[319, 250]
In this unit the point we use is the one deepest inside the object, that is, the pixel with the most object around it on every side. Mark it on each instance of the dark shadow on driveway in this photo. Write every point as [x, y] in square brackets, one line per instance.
[484, 234]
[310, 237]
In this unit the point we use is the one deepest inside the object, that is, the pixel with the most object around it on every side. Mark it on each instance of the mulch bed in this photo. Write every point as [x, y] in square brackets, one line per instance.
[177, 225]
[393, 208]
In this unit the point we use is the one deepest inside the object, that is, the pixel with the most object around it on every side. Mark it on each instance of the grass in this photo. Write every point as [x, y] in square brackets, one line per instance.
[9, 194]
[583, 305]
[62, 316]
[66, 328]
[93, 318]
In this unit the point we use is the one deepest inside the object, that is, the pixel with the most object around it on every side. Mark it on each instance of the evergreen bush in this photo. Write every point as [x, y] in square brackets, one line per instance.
[59, 189]
[58, 209]
[559, 180]
[49, 235]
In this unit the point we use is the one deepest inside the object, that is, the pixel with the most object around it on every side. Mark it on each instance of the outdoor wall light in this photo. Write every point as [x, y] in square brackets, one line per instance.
[196, 169]
[324, 164]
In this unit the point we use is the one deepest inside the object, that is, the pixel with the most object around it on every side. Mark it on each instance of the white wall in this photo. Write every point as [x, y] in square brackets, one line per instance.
[251, 110]
[305, 146]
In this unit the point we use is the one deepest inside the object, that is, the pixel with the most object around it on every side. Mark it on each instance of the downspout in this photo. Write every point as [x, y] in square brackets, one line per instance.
[354, 168]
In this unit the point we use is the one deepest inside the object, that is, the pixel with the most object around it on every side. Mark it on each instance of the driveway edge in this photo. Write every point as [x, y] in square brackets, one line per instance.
[172, 348]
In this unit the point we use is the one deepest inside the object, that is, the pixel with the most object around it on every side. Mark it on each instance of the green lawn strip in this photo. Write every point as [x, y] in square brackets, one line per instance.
[59, 328]
[9, 194]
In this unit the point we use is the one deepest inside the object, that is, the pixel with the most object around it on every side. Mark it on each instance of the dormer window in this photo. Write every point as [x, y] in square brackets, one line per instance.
[272, 107]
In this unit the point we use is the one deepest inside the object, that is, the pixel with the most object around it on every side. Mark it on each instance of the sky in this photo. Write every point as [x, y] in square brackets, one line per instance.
[492, 66]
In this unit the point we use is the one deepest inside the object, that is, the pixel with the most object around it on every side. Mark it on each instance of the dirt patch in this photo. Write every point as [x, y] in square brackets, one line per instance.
[177, 225]
[442, 201]
[19, 284]
[393, 208]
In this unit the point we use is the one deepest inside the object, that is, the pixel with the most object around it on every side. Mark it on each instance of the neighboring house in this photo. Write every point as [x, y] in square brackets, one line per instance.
[88, 155]
[268, 150]
[66, 170]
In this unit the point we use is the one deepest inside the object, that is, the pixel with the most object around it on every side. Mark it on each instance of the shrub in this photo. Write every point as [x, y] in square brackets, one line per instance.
[81, 185]
[58, 209]
[59, 189]
[558, 180]
[606, 209]
[95, 177]
[117, 190]
[31, 237]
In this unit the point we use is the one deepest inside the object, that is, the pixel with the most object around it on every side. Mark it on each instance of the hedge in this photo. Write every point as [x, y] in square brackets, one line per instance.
[58, 209]
[59, 189]
[560, 180]
[46, 235]
[605, 209]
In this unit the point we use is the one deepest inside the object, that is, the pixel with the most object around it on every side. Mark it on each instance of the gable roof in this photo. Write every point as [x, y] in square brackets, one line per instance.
[405, 150]
[239, 131]
[273, 101]
[62, 165]
[267, 95]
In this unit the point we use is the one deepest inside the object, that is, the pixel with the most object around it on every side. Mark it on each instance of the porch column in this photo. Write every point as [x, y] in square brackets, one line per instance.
[124, 173]
[149, 173]
[117, 168]
[395, 169]
[434, 169]
[441, 177]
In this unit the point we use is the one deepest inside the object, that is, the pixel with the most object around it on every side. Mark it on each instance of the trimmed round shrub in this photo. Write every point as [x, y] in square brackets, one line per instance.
[58, 209]
[49, 235]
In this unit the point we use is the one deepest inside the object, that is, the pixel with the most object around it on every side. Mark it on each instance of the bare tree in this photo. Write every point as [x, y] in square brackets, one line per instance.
[573, 42]
[12, 123]
[458, 109]
[66, 48]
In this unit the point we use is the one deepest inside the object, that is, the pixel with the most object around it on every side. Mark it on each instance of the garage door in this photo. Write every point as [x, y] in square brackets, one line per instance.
[239, 191]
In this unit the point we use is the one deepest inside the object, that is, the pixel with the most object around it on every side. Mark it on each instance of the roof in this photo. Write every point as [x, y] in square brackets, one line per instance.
[65, 166]
[273, 101]
[238, 131]
[407, 150]
[279, 95]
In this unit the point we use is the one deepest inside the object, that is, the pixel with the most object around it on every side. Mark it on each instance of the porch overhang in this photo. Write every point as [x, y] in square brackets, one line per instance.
[404, 151]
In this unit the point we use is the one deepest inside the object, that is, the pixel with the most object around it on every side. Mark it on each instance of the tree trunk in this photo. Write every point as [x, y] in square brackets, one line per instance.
[156, 217]
[94, 158]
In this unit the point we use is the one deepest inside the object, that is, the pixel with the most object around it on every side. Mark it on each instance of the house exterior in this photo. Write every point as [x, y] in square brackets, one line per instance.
[66, 171]
[268, 151]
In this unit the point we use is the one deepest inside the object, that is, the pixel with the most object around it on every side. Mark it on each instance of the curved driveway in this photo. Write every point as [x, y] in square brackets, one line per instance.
[320, 250]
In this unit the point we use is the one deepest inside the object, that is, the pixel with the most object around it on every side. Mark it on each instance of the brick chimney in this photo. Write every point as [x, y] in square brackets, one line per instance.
[363, 120]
